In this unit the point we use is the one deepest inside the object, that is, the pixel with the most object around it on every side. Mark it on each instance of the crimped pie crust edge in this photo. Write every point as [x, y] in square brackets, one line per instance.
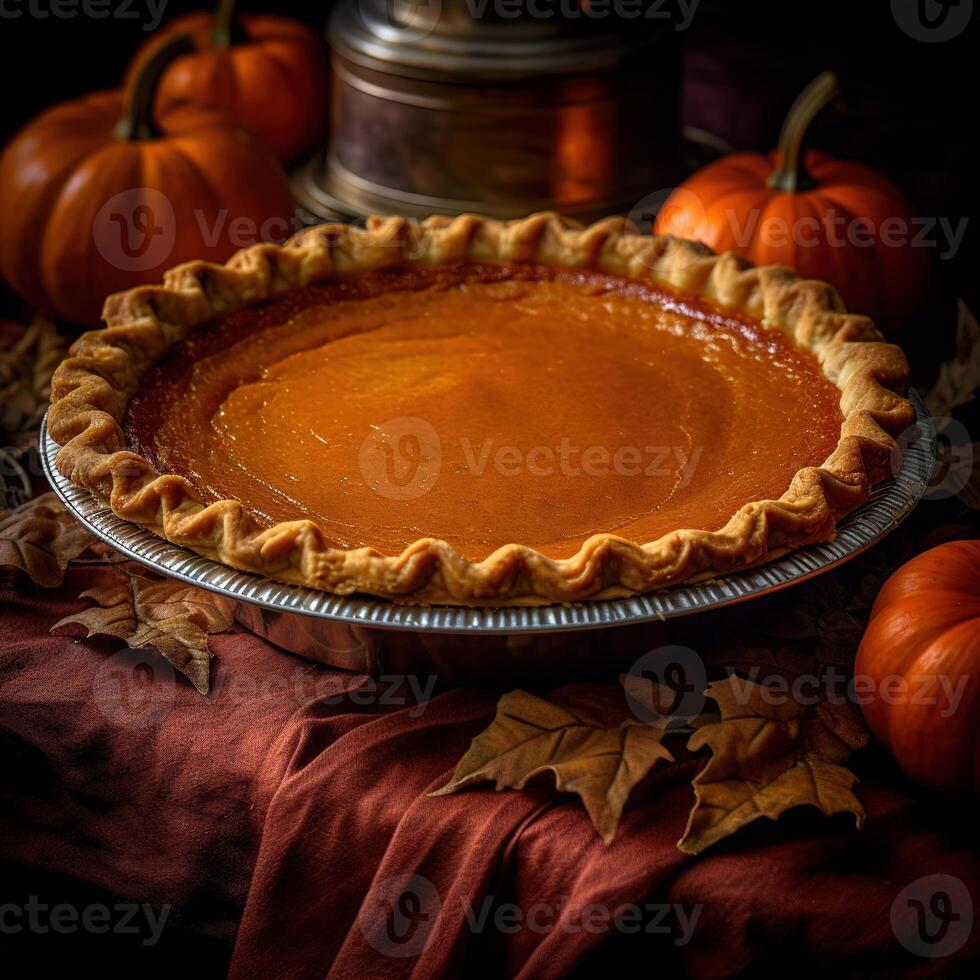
[92, 388]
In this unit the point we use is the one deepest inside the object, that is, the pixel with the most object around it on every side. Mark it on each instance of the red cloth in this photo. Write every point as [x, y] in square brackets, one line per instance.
[282, 816]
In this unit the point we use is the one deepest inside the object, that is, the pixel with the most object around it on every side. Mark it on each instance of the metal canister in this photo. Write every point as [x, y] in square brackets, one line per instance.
[443, 107]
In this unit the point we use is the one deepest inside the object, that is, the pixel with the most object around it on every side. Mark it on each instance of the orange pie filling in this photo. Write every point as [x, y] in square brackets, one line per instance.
[487, 405]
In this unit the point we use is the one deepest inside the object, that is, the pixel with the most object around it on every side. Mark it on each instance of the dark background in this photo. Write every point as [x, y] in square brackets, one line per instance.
[908, 109]
[907, 106]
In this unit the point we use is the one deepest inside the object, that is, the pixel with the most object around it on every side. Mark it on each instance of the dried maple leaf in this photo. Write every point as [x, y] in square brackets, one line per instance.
[529, 736]
[25, 382]
[959, 377]
[173, 618]
[769, 754]
[40, 538]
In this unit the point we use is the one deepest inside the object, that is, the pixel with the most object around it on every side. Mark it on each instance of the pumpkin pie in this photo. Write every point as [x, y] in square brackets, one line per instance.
[479, 412]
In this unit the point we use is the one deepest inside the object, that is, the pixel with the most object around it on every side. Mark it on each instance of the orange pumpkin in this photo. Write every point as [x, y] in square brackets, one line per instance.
[920, 661]
[830, 219]
[97, 198]
[269, 73]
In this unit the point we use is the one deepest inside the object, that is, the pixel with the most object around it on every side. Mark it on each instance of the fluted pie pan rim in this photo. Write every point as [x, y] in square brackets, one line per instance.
[92, 388]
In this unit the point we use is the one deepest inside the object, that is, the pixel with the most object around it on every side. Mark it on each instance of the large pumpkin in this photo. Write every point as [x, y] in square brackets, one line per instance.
[920, 662]
[267, 72]
[830, 219]
[97, 198]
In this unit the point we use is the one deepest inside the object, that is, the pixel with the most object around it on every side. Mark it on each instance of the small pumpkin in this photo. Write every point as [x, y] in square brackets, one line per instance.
[97, 197]
[267, 72]
[830, 219]
[920, 662]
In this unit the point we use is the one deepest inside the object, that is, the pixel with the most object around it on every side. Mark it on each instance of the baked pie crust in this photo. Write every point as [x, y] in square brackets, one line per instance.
[94, 387]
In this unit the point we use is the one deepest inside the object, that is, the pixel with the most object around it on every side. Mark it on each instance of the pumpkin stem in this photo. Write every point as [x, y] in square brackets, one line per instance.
[789, 176]
[226, 30]
[137, 121]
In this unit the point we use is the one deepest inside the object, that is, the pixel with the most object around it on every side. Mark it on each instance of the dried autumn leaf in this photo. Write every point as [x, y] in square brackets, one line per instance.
[765, 662]
[768, 755]
[530, 736]
[659, 705]
[832, 611]
[40, 538]
[959, 377]
[25, 382]
[970, 491]
[173, 618]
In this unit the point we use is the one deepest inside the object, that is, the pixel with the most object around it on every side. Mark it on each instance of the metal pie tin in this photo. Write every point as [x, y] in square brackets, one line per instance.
[889, 504]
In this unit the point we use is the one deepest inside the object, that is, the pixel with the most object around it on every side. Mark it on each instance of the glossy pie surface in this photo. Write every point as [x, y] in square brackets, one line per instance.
[487, 404]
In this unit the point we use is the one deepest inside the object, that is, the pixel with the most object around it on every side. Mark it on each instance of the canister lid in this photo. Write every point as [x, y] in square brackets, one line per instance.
[492, 39]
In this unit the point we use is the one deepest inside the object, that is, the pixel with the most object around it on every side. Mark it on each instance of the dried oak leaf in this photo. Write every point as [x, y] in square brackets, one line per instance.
[768, 755]
[40, 538]
[959, 377]
[173, 618]
[529, 736]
